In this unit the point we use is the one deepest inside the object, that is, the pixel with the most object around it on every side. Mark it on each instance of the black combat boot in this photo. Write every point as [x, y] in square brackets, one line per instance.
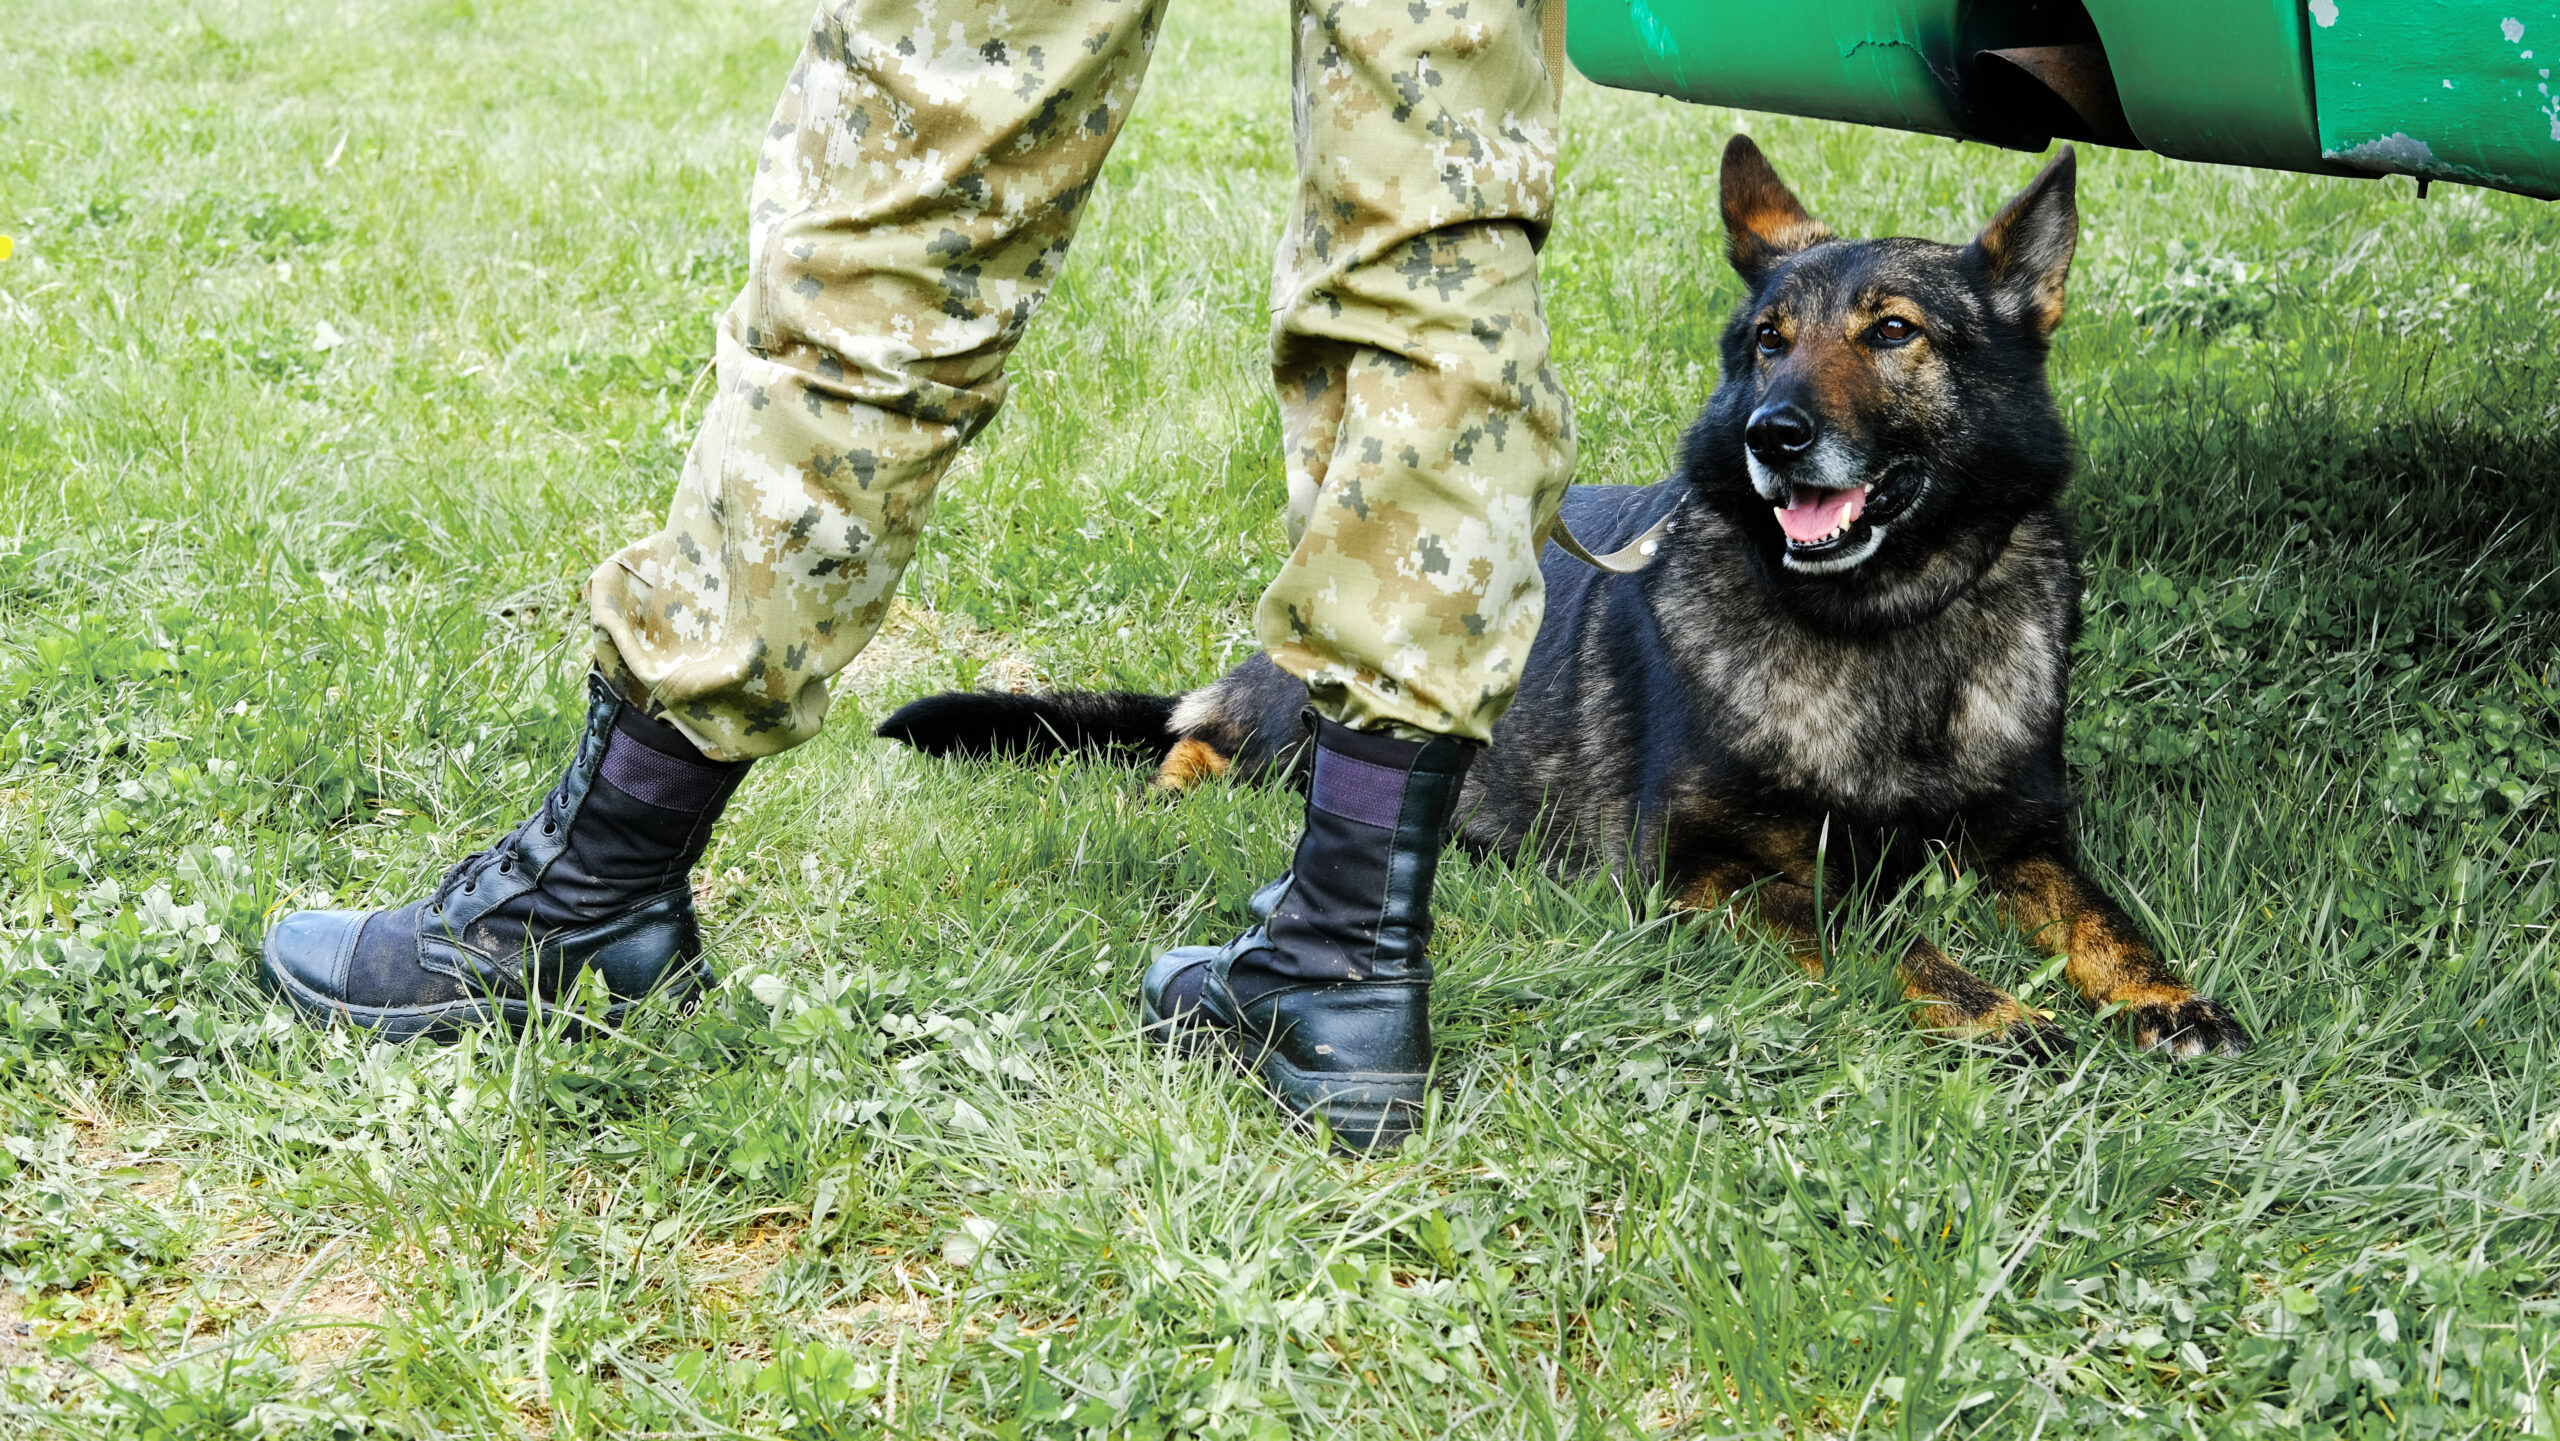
[1327, 998]
[598, 877]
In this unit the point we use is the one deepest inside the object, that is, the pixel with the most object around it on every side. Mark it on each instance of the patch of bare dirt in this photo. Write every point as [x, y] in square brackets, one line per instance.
[915, 636]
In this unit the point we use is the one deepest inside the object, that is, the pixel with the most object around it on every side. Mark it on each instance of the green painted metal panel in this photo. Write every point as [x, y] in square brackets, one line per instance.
[2227, 81]
[1877, 62]
[2448, 89]
[2223, 80]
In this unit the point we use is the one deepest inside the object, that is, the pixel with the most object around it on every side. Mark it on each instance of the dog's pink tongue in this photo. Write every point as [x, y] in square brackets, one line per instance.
[1817, 513]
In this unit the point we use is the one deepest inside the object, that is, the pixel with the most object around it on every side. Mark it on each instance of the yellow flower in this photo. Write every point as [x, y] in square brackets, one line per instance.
[8, 247]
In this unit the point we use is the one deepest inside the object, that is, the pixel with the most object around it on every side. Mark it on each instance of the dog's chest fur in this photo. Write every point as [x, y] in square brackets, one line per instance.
[1915, 720]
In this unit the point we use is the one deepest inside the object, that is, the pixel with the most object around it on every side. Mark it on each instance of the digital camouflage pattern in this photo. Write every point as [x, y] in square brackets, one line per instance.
[1428, 441]
[914, 199]
[917, 191]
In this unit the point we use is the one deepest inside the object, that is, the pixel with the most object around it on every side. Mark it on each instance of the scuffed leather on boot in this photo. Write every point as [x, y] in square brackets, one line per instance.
[1354, 1054]
[509, 930]
[1327, 997]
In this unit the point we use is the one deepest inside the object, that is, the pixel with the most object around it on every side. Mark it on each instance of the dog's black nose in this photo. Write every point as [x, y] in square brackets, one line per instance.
[1778, 432]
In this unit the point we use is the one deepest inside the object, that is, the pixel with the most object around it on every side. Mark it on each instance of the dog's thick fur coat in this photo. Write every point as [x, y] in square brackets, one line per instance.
[1851, 652]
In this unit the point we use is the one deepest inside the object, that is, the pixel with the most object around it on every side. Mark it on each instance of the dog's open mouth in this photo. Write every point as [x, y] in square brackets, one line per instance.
[1818, 521]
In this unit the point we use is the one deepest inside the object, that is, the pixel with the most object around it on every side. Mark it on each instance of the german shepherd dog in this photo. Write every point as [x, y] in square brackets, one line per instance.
[1848, 656]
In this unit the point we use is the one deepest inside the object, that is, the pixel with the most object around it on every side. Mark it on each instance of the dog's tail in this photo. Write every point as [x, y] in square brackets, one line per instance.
[984, 724]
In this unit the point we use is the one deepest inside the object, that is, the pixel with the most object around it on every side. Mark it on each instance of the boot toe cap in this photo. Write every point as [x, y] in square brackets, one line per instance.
[307, 955]
[1171, 989]
[361, 968]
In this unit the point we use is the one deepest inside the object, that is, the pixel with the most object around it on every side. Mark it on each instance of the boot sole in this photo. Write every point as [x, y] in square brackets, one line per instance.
[447, 1021]
[1362, 1110]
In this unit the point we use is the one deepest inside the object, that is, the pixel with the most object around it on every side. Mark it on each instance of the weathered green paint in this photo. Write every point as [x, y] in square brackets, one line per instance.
[2448, 89]
[2227, 81]
[1876, 62]
[2221, 80]
[2354, 87]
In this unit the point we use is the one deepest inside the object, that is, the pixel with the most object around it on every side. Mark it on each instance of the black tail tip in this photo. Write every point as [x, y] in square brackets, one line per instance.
[986, 725]
[954, 723]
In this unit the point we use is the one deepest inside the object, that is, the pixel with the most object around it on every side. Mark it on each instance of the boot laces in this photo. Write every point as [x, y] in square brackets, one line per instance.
[501, 854]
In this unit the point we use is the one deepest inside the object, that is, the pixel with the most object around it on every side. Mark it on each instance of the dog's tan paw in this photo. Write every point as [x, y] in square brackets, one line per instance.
[1190, 763]
[2008, 1026]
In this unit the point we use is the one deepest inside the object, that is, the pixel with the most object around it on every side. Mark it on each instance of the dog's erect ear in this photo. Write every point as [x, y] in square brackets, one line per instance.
[2026, 249]
[1764, 223]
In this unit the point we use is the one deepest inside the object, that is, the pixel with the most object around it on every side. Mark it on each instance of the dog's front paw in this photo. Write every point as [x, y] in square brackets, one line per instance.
[2008, 1029]
[2034, 1039]
[2187, 1028]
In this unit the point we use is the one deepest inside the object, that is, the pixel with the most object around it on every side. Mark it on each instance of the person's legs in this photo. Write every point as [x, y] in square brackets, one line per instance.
[1428, 446]
[916, 193]
[918, 188]
[1428, 439]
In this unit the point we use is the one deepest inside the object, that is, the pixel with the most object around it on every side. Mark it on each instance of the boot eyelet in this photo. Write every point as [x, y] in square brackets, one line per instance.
[550, 828]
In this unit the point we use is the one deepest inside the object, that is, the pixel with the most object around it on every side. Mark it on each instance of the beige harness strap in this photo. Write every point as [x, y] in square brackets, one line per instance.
[1627, 559]
[1551, 30]
[1636, 554]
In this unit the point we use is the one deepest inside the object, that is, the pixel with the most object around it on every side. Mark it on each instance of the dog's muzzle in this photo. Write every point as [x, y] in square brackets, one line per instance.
[1833, 513]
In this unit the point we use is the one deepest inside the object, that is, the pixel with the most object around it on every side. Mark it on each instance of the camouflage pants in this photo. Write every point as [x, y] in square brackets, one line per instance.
[917, 191]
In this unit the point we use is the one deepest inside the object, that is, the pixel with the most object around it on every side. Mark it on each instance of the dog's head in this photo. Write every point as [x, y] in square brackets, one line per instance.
[1883, 420]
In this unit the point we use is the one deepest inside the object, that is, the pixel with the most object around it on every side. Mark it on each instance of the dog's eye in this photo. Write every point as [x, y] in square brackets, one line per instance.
[1771, 341]
[1894, 330]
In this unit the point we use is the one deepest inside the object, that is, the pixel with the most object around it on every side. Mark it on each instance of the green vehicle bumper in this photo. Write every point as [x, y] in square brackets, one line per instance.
[2455, 90]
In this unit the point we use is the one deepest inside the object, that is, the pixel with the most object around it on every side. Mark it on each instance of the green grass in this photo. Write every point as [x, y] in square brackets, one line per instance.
[340, 339]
